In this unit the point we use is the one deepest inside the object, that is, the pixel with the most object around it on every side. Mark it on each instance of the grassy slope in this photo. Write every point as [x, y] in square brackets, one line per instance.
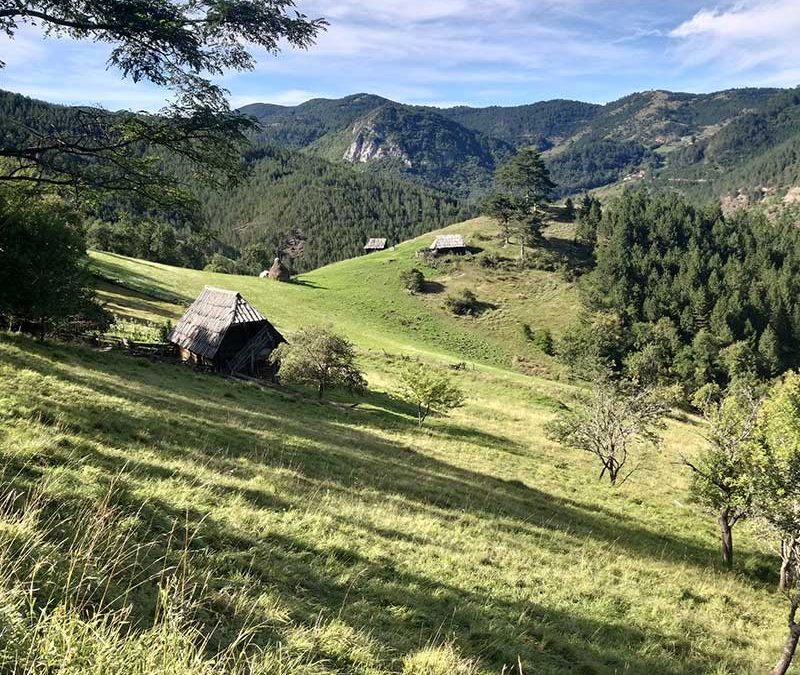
[363, 298]
[356, 539]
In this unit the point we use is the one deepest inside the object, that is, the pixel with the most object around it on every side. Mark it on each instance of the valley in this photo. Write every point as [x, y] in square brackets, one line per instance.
[347, 539]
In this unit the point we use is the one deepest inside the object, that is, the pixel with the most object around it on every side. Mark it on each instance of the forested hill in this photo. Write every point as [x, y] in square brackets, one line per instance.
[320, 212]
[717, 144]
[327, 174]
[315, 211]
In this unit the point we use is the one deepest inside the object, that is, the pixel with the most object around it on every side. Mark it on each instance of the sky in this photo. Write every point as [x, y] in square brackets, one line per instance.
[465, 52]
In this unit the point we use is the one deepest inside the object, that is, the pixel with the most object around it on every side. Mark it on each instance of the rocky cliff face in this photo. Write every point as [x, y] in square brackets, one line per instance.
[369, 145]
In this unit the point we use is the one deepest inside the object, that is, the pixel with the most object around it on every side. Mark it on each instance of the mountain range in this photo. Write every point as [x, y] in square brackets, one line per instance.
[367, 166]
[738, 139]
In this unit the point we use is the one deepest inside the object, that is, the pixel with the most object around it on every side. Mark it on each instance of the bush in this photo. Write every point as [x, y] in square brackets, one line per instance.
[44, 271]
[318, 357]
[429, 390]
[464, 304]
[413, 280]
[541, 337]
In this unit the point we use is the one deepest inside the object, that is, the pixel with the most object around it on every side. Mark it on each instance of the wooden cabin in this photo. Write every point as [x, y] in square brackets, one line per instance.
[375, 244]
[224, 332]
[448, 243]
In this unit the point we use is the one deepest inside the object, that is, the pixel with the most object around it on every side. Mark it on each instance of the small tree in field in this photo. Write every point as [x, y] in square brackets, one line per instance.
[723, 473]
[612, 424]
[569, 209]
[429, 390]
[501, 207]
[777, 493]
[319, 358]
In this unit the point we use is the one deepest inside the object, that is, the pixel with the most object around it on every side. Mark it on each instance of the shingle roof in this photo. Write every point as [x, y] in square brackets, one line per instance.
[444, 241]
[202, 328]
[375, 244]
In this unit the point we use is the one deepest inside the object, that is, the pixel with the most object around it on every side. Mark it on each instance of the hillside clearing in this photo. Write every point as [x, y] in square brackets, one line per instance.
[344, 539]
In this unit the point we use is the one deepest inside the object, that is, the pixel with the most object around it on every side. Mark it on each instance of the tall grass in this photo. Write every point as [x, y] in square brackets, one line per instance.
[66, 587]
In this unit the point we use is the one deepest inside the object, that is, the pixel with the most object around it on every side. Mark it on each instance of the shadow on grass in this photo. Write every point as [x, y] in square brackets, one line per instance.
[299, 281]
[134, 300]
[576, 255]
[176, 427]
[432, 287]
[114, 273]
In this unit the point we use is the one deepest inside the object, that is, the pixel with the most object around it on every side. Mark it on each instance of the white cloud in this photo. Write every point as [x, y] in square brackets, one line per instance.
[747, 37]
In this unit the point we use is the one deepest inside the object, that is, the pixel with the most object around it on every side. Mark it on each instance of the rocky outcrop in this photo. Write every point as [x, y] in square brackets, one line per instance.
[368, 145]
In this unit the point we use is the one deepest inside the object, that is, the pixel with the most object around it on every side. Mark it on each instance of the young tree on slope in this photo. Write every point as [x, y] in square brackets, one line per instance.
[429, 390]
[722, 476]
[177, 45]
[500, 206]
[320, 358]
[777, 494]
[614, 423]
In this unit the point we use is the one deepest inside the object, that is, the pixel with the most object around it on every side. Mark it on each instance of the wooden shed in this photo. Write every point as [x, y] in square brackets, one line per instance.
[375, 244]
[222, 331]
[448, 243]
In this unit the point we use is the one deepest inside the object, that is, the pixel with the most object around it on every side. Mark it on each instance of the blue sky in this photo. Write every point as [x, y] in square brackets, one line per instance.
[475, 52]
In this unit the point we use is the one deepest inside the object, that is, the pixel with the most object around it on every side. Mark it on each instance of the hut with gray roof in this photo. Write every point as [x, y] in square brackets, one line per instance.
[375, 244]
[448, 243]
[224, 332]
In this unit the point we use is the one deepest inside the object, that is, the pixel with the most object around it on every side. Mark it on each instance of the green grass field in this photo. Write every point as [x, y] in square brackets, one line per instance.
[363, 298]
[333, 539]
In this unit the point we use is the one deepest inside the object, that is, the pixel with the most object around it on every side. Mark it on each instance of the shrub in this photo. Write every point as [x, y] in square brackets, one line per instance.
[318, 357]
[543, 339]
[413, 280]
[429, 390]
[464, 304]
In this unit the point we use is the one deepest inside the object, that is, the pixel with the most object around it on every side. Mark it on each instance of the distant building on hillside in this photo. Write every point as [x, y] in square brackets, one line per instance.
[375, 244]
[448, 243]
[224, 332]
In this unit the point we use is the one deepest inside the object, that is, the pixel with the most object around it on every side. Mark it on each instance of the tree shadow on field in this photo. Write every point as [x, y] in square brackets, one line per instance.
[133, 300]
[575, 254]
[124, 277]
[174, 426]
[305, 283]
[211, 430]
[432, 287]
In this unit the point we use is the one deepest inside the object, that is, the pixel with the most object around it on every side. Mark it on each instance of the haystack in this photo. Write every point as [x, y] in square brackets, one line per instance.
[279, 271]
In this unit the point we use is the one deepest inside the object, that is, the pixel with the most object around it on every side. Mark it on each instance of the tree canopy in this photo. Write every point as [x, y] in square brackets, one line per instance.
[176, 45]
[318, 357]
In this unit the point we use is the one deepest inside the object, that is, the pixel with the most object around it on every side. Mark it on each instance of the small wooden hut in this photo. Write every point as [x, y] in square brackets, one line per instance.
[448, 243]
[224, 332]
[375, 244]
[279, 271]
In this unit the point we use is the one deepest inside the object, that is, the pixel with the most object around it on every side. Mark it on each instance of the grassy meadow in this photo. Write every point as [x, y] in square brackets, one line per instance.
[156, 519]
[363, 298]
